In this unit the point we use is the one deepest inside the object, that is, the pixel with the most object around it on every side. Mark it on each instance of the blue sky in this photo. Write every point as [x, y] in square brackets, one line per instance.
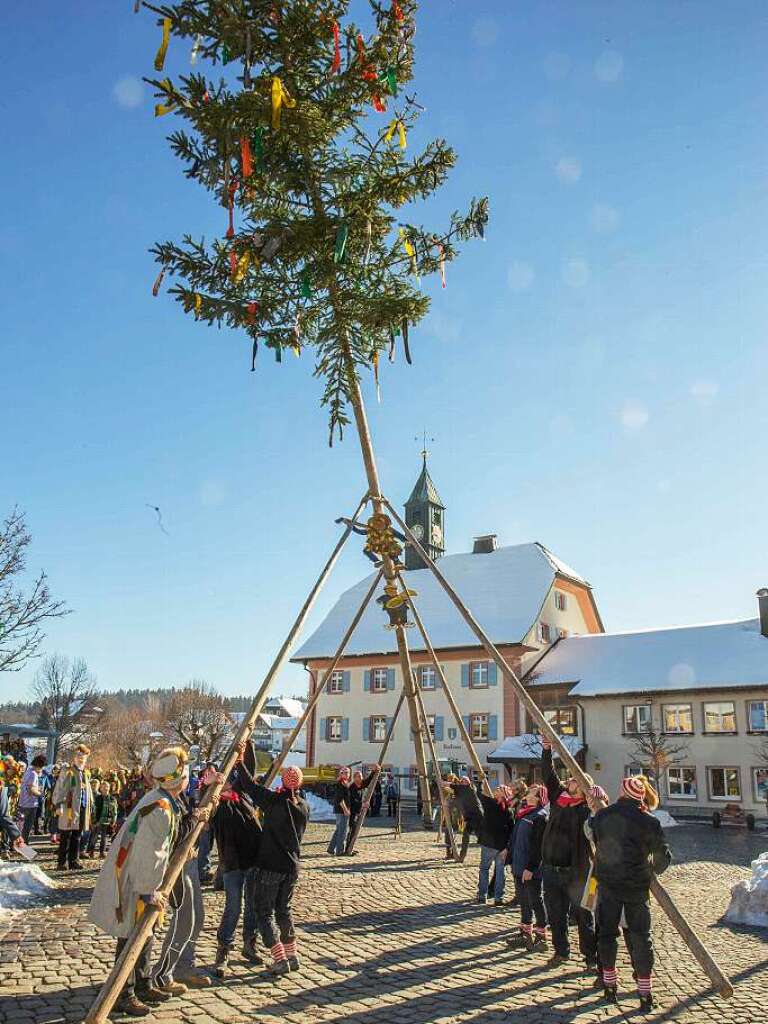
[594, 375]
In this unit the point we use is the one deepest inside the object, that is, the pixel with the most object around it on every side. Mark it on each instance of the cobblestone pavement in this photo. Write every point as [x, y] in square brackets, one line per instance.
[393, 936]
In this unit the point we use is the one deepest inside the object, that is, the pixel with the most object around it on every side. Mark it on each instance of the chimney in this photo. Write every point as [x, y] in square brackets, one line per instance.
[762, 604]
[486, 543]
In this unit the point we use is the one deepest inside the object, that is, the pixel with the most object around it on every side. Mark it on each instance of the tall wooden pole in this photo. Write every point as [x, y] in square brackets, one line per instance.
[438, 776]
[126, 962]
[665, 901]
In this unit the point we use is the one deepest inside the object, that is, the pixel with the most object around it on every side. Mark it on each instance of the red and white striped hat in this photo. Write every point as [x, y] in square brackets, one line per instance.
[634, 788]
[292, 777]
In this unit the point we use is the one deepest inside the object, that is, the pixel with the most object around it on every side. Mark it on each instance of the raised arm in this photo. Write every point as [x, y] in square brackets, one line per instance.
[549, 775]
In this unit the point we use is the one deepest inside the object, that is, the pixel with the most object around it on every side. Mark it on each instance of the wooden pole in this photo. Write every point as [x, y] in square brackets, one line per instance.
[711, 968]
[438, 777]
[125, 963]
[277, 764]
[372, 784]
[449, 697]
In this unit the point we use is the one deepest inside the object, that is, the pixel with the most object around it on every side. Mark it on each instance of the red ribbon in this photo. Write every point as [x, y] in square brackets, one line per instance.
[397, 11]
[252, 308]
[231, 228]
[336, 66]
[158, 282]
[245, 157]
[367, 73]
[232, 262]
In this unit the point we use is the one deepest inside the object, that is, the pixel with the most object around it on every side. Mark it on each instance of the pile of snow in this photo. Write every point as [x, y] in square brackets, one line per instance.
[319, 810]
[749, 899]
[20, 881]
[665, 819]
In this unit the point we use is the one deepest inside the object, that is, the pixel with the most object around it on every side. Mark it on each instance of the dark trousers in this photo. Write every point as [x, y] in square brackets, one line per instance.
[465, 835]
[353, 819]
[139, 976]
[99, 834]
[637, 913]
[69, 847]
[560, 893]
[391, 806]
[238, 884]
[30, 817]
[530, 897]
[274, 893]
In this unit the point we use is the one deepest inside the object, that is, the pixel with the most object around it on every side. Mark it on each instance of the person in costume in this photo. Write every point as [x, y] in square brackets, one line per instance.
[73, 800]
[629, 849]
[356, 795]
[286, 815]
[9, 831]
[133, 872]
[524, 860]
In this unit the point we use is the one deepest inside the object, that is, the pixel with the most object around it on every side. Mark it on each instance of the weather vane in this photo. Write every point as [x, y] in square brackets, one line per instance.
[424, 439]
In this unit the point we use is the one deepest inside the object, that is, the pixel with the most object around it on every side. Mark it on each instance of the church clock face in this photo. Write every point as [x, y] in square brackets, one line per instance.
[437, 534]
[417, 530]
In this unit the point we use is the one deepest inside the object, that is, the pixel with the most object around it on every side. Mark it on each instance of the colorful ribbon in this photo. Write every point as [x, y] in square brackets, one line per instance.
[280, 98]
[198, 304]
[306, 286]
[160, 55]
[375, 361]
[254, 353]
[245, 157]
[231, 226]
[397, 11]
[251, 310]
[195, 49]
[232, 264]
[158, 282]
[336, 66]
[166, 108]
[441, 258]
[410, 251]
[340, 248]
[241, 268]
[398, 126]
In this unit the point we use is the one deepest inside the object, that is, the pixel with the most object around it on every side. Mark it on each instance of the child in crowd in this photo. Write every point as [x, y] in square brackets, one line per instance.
[524, 859]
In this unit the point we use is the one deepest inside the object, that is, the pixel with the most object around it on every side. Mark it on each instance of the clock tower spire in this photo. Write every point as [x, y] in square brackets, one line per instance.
[425, 514]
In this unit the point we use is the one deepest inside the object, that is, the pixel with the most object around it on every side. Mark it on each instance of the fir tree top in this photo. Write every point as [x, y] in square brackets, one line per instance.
[306, 147]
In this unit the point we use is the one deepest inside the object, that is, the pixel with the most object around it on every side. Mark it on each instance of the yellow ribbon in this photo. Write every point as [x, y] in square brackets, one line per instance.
[242, 267]
[198, 304]
[279, 97]
[411, 252]
[160, 55]
[396, 126]
[166, 108]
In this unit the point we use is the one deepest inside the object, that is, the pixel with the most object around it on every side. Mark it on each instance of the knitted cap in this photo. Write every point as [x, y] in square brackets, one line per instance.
[343, 773]
[170, 766]
[292, 777]
[633, 788]
[598, 793]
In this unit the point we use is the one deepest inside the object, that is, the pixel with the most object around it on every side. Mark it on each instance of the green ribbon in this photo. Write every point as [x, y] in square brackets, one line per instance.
[340, 248]
[226, 56]
[278, 353]
[306, 287]
[389, 79]
[258, 148]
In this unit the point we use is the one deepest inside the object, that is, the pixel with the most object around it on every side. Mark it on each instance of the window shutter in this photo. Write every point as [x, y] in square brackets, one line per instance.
[465, 719]
[390, 679]
[367, 680]
[465, 674]
[493, 673]
[366, 729]
[438, 727]
[346, 681]
[345, 728]
[323, 729]
[389, 726]
[438, 680]
[493, 731]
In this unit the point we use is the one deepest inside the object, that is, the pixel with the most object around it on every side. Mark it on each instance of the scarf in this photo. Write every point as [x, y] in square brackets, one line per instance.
[232, 797]
[524, 809]
[566, 800]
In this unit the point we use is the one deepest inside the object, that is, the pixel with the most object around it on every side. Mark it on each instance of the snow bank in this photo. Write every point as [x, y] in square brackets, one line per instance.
[665, 819]
[749, 898]
[319, 810]
[20, 881]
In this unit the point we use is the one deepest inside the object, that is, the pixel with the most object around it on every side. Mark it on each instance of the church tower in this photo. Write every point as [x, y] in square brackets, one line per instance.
[425, 514]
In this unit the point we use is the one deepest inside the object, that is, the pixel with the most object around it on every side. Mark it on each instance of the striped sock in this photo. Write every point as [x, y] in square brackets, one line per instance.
[644, 986]
[278, 952]
[541, 931]
[290, 948]
[526, 929]
[610, 978]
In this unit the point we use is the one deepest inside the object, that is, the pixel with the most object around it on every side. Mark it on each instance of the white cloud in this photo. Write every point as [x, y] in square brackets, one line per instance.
[128, 92]
[557, 66]
[520, 276]
[634, 415]
[704, 390]
[568, 169]
[609, 67]
[604, 219]
[485, 32]
[575, 273]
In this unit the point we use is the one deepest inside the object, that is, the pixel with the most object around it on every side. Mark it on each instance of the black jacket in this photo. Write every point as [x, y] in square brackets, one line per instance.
[469, 804]
[355, 798]
[630, 847]
[237, 834]
[564, 844]
[283, 828]
[495, 825]
[340, 792]
[524, 846]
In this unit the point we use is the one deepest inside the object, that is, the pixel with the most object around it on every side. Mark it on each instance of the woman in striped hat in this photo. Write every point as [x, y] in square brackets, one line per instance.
[629, 848]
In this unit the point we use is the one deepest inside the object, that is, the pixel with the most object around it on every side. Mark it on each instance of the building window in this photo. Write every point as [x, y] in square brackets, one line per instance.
[545, 633]
[427, 677]
[678, 718]
[561, 601]
[431, 725]
[760, 782]
[378, 732]
[757, 715]
[334, 729]
[379, 680]
[720, 717]
[478, 727]
[478, 674]
[563, 721]
[724, 784]
[637, 718]
[633, 769]
[452, 734]
[681, 783]
[336, 682]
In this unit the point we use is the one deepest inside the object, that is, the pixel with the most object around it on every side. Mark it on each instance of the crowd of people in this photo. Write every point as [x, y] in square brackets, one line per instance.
[574, 859]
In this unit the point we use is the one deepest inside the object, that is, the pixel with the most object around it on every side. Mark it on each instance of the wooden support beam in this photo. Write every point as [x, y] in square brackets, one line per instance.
[438, 776]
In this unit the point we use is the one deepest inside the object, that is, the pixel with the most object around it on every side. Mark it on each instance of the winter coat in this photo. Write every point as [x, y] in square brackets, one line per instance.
[629, 848]
[356, 794]
[524, 849]
[495, 825]
[104, 810]
[564, 844]
[237, 834]
[340, 793]
[135, 864]
[283, 827]
[67, 798]
[469, 804]
[7, 824]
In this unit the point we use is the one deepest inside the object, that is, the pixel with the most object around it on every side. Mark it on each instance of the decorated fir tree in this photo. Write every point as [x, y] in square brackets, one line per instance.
[299, 125]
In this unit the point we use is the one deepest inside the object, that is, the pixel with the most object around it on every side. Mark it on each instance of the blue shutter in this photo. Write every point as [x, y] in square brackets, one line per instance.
[346, 681]
[493, 729]
[366, 729]
[345, 728]
[438, 727]
[322, 732]
[493, 673]
[390, 679]
[367, 680]
[465, 719]
[389, 725]
[465, 674]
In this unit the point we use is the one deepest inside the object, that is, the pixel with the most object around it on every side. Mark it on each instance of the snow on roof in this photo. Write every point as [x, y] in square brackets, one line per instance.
[716, 655]
[292, 707]
[527, 748]
[504, 589]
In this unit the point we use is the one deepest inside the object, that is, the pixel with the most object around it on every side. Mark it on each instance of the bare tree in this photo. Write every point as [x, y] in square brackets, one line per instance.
[656, 751]
[65, 691]
[22, 612]
[127, 736]
[199, 716]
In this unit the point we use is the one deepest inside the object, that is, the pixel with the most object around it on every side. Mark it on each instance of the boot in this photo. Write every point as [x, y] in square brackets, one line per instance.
[173, 988]
[539, 944]
[609, 993]
[149, 994]
[221, 963]
[516, 941]
[294, 963]
[647, 1003]
[528, 941]
[249, 950]
[132, 1006]
[191, 977]
[279, 968]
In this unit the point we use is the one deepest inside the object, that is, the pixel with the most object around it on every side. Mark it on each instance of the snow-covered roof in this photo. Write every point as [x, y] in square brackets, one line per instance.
[278, 722]
[713, 656]
[287, 705]
[527, 748]
[504, 589]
